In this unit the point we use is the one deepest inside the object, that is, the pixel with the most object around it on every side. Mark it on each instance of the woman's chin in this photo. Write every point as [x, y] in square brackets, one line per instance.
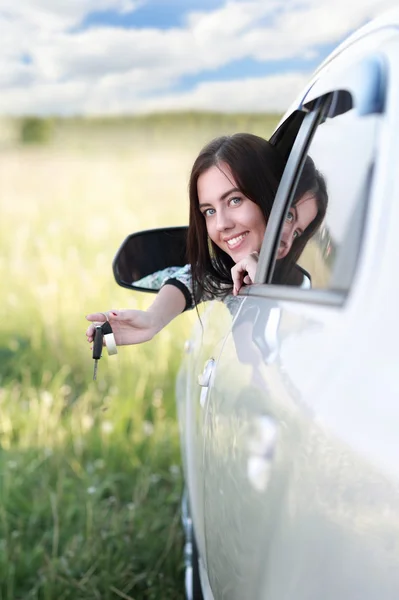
[239, 255]
[243, 252]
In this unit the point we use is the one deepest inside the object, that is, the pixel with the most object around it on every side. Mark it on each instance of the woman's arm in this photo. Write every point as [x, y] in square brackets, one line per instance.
[137, 326]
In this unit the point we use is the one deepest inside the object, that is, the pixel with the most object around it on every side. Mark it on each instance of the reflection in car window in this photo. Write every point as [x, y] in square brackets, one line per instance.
[321, 224]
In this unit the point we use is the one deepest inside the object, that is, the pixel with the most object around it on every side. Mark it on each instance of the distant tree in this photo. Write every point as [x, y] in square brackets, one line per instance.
[36, 130]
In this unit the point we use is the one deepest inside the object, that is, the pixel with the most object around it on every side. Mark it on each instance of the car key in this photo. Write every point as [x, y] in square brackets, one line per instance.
[97, 347]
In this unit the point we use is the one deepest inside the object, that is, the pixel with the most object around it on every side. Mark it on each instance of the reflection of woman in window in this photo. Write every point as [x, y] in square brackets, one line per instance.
[303, 219]
[232, 187]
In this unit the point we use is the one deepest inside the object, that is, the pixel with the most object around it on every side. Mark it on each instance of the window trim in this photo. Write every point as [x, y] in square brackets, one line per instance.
[285, 190]
[330, 297]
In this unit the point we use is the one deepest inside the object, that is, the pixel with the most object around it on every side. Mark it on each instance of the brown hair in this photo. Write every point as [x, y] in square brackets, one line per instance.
[257, 168]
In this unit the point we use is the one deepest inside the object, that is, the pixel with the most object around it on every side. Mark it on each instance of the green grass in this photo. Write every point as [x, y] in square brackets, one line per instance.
[90, 475]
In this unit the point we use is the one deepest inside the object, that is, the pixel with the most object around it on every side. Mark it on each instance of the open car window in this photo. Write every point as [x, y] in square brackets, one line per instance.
[322, 225]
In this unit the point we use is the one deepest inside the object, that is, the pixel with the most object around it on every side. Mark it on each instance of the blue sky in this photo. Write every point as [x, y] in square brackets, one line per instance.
[154, 13]
[134, 56]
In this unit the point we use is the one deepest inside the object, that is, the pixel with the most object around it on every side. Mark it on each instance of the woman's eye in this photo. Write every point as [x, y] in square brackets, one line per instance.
[209, 212]
[235, 201]
[296, 234]
[289, 217]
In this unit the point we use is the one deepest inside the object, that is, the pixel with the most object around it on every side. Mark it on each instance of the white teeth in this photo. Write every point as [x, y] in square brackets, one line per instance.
[235, 240]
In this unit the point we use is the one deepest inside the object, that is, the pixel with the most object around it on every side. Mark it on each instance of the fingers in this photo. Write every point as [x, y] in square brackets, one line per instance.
[113, 316]
[237, 274]
[100, 316]
[97, 319]
[129, 326]
[244, 271]
[90, 332]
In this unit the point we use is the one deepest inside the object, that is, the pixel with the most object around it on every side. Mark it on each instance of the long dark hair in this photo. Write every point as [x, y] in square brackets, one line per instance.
[310, 181]
[257, 168]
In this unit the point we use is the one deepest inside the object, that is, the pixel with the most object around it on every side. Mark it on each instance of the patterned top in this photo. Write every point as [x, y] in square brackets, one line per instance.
[177, 276]
[154, 281]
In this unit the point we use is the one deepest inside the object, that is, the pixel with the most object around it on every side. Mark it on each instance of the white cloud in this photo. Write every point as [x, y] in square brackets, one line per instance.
[112, 69]
[58, 15]
[116, 94]
[257, 94]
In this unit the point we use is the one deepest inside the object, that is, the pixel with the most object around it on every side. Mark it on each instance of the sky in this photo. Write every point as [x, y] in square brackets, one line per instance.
[99, 57]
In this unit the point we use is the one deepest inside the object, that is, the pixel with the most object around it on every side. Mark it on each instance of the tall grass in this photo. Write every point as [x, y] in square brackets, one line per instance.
[90, 476]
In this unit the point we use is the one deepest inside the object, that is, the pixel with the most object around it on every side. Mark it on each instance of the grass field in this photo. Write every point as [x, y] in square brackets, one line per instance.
[90, 476]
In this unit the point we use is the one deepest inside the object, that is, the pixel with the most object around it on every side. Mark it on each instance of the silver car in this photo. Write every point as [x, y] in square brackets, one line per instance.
[288, 398]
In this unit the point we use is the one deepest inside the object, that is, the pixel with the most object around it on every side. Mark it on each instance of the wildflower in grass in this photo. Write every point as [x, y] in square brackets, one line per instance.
[148, 428]
[65, 390]
[46, 397]
[91, 490]
[107, 427]
[87, 422]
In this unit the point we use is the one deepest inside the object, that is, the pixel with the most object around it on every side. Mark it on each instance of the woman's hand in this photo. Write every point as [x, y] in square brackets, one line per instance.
[244, 271]
[128, 326]
[137, 326]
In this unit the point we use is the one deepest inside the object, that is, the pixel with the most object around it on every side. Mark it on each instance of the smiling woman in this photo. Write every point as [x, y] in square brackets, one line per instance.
[232, 188]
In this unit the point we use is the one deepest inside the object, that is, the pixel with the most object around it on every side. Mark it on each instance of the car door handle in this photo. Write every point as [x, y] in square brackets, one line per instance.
[205, 376]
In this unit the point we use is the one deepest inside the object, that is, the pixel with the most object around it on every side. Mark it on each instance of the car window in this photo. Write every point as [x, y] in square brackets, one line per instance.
[323, 223]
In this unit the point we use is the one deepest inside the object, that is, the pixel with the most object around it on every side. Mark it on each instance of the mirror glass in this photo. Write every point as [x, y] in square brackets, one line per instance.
[147, 258]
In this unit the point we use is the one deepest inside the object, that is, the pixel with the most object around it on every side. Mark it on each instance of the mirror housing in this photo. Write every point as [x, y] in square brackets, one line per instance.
[147, 252]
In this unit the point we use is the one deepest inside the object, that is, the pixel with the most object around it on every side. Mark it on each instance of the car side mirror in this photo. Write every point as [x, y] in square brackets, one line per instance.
[150, 252]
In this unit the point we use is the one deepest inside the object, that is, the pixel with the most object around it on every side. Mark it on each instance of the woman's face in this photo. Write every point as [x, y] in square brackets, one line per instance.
[299, 217]
[233, 221]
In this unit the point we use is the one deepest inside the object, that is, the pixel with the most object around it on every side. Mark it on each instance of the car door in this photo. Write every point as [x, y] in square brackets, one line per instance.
[292, 503]
[202, 350]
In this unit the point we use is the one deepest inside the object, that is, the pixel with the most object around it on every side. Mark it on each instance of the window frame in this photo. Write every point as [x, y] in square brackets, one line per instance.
[263, 286]
[287, 185]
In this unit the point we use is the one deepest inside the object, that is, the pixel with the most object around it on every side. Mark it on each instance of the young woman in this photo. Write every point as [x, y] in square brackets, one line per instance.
[232, 187]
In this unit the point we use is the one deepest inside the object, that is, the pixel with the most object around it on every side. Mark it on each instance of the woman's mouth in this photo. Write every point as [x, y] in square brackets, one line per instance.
[234, 242]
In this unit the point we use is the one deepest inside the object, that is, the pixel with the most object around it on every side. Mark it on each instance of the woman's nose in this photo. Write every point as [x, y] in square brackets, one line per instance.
[223, 221]
[287, 237]
[288, 240]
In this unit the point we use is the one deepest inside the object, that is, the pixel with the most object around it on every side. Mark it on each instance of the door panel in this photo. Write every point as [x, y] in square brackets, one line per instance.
[295, 505]
[205, 344]
[252, 430]
[340, 507]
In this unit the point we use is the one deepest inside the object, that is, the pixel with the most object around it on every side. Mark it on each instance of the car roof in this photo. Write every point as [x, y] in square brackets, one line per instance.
[387, 20]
